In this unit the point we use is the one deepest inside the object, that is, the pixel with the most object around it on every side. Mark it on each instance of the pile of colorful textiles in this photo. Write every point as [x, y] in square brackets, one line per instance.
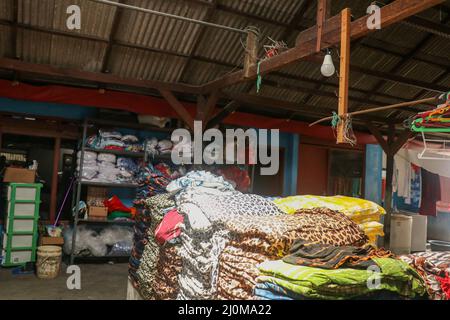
[296, 281]
[434, 267]
[256, 239]
[151, 203]
[207, 202]
[153, 179]
[239, 177]
[366, 214]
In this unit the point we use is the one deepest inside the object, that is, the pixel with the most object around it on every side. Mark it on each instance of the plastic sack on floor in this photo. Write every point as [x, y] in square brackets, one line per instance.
[87, 241]
[121, 248]
[112, 235]
[106, 157]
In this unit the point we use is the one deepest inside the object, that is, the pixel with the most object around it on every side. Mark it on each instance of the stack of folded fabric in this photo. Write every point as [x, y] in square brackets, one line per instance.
[366, 214]
[328, 282]
[161, 147]
[128, 168]
[206, 201]
[114, 140]
[90, 166]
[256, 239]
[434, 267]
[167, 270]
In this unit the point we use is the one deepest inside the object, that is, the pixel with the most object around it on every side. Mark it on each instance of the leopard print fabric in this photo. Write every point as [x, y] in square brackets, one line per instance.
[256, 239]
[219, 207]
[238, 272]
[275, 235]
[167, 270]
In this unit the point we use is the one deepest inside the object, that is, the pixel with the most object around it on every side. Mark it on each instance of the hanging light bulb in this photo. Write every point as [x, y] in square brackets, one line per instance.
[327, 69]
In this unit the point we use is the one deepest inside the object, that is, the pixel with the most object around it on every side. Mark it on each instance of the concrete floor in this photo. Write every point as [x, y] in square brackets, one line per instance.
[98, 282]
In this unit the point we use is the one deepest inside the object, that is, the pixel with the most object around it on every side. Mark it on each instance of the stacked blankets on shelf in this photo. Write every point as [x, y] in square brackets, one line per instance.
[366, 214]
[434, 267]
[256, 239]
[105, 167]
[207, 202]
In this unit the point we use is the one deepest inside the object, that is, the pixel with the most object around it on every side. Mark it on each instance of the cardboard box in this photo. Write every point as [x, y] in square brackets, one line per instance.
[51, 241]
[19, 175]
[97, 212]
[96, 196]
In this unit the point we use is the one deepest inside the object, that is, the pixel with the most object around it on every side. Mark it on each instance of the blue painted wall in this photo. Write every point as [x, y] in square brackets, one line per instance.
[68, 111]
[373, 174]
[290, 143]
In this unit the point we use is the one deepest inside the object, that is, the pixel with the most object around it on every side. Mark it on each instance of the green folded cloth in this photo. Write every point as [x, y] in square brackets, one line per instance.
[344, 283]
[119, 214]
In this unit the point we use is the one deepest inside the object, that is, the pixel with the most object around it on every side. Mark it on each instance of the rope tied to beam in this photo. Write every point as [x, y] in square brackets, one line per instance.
[349, 135]
[258, 78]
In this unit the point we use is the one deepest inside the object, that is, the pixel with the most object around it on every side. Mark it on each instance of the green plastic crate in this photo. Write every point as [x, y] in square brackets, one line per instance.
[22, 219]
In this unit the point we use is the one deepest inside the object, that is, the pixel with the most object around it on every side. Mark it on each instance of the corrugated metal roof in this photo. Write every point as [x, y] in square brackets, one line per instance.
[6, 10]
[5, 44]
[159, 48]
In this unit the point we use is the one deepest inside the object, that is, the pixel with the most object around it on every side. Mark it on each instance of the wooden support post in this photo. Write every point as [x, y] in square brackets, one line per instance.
[206, 107]
[251, 53]
[178, 107]
[222, 114]
[344, 71]
[322, 13]
[201, 104]
[54, 186]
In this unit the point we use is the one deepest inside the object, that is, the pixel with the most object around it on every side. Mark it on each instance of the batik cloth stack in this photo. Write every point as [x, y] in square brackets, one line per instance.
[257, 239]
[366, 214]
[434, 267]
[154, 209]
[167, 270]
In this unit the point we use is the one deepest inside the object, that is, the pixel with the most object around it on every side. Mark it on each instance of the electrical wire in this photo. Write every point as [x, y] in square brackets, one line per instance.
[168, 15]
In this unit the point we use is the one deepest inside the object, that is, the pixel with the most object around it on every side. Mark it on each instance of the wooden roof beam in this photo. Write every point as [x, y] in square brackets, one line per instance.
[96, 77]
[390, 14]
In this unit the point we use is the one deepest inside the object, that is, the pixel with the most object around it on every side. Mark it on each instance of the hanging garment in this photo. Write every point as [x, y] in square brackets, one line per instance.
[328, 256]
[402, 178]
[416, 185]
[431, 193]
